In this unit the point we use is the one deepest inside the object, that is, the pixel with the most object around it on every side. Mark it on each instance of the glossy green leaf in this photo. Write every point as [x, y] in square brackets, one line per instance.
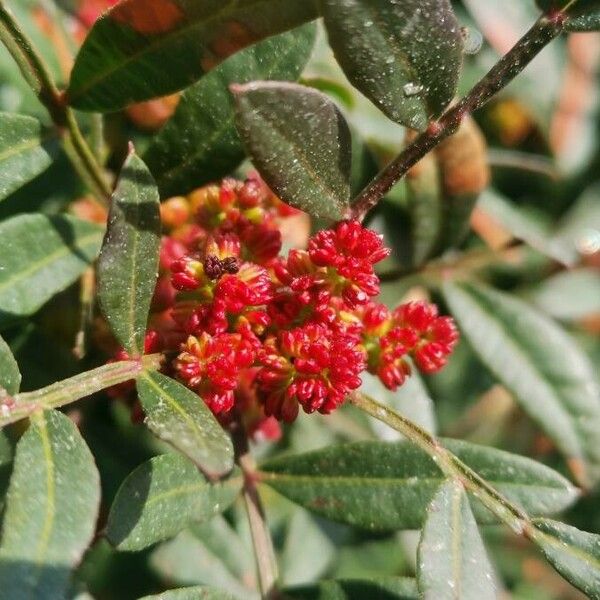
[404, 56]
[582, 15]
[162, 497]
[540, 364]
[147, 48]
[200, 142]
[25, 151]
[180, 417]
[387, 486]
[41, 256]
[452, 560]
[300, 143]
[10, 377]
[574, 554]
[128, 262]
[51, 509]
[381, 588]
[210, 554]
[192, 593]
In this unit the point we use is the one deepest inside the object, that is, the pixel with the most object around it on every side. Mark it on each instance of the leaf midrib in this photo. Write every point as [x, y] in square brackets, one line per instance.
[518, 349]
[50, 513]
[226, 11]
[81, 244]
[176, 406]
[267, 476]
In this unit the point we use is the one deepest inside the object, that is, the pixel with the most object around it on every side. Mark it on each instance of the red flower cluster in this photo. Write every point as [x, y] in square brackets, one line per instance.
[259, 335]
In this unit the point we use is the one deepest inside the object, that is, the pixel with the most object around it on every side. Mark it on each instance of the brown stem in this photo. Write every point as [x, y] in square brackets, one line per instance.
[264, 554]
[545, 29]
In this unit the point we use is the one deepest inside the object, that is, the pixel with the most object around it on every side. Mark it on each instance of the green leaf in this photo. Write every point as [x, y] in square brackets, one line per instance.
[307, 552]
[582, 15]
[163, 496]
[41, 256]
[147, 48]
[387, 486]
[404, 56]
[452, 560]
[382, 588]
[10, 377]
[574, 554]
[540, 364]
[211, 554]
[180, 417]
[128, 263]
[51, 509]
[424, 203]
[200, 142]
[299, 141]
[25, 151]
[569, 295]
[529, 225]
[191, 593]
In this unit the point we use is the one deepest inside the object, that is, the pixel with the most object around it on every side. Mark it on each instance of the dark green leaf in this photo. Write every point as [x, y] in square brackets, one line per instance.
[540, 364]
[51, 509]
[300, 142]
[128, 263]
[180, 417]
[574, 554]
[162, 497]
[582, 15]
[147, 48]
[41, 256]
[404, 56]
[200, 142]
[382, 588]
[25, 151]
[453, 562]
[10, 377]
[191, 593]
[387, 486]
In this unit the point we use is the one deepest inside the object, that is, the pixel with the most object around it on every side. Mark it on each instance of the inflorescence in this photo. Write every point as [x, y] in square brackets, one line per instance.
[259, 335]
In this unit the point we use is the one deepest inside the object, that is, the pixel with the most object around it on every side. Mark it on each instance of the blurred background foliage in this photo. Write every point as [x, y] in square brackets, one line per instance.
[535, 233]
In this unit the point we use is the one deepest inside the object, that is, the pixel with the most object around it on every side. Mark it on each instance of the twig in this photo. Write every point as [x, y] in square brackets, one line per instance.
[545, 29]
[264, 554]
[15, 408]
[38, 76]
[450, 464]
